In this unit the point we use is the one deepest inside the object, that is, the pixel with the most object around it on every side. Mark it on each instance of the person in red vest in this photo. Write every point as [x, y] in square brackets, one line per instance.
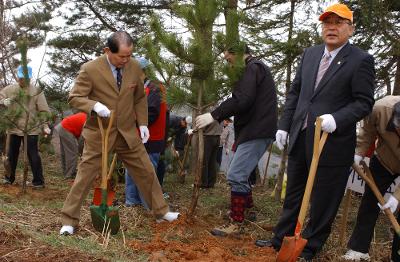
[69, 130]
[157, 115]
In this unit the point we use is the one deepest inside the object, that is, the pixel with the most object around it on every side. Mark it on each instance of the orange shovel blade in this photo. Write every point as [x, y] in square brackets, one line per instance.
[97, 197]
[291, 249]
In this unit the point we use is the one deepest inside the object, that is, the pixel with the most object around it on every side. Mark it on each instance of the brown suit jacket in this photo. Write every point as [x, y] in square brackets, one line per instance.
[96, 83]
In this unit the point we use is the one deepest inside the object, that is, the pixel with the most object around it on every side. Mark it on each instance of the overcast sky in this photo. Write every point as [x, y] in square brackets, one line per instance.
[38, 54]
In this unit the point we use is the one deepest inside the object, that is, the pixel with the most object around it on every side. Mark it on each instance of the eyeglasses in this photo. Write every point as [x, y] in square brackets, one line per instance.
[335, 22]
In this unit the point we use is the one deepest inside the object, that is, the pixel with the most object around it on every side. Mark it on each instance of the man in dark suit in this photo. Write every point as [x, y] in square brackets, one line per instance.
[334, 81]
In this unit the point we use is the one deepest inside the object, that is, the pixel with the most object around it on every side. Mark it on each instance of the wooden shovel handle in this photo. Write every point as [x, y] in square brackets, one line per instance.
[104, 149]
[318, 146]
[367, 177]
[110, 171]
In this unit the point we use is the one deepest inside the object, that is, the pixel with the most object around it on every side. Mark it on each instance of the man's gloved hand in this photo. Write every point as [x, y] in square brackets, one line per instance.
[392, 203]
[203, 120]
[190, 132]
[47, 130]
[7, 101]
[144, 133]
[101, 110]
[281, 138]
[357, 159]
[328, 123]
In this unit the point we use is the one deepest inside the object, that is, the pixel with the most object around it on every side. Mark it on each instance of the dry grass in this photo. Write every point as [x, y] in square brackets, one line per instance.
[30, 224]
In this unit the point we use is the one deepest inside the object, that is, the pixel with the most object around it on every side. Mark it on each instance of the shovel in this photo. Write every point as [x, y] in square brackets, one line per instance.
[293, 246]
[97, 195]
[105, 218]
[367, 177]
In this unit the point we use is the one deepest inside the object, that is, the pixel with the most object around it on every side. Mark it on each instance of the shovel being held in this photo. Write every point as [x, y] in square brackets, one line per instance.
[367, 177]
[293, 246]
[97, 195]
[105, 218]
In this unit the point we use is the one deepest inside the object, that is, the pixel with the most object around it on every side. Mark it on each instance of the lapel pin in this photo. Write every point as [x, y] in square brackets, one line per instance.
[338, 62]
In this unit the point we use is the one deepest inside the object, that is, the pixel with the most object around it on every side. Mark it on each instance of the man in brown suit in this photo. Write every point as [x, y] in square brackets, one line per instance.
[111, 82]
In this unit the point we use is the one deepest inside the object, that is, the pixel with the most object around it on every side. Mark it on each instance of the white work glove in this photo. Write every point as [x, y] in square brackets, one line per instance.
[144, 134]
[101, 110]
[392, 203]
[47, 131]
[357, 159]
[203, 120]
[281, 138]
[7, 101]
[328, 123]
[190, 132]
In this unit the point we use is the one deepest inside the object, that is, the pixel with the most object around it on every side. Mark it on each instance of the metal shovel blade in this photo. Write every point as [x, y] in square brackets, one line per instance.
[105, 218]
[291, 248]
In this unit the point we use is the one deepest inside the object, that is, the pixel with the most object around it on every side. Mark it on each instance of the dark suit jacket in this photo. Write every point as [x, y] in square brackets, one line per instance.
[345, 91]
[253, 104]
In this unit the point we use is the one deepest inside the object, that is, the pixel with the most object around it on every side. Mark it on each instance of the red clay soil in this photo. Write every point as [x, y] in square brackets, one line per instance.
[17, 247]
[42, 194]
[183, 241]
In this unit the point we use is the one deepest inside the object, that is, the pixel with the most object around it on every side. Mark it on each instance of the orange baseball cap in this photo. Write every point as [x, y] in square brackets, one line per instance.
[340, 9]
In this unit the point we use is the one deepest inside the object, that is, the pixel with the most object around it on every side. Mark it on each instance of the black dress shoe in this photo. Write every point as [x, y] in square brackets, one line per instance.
[263, 243]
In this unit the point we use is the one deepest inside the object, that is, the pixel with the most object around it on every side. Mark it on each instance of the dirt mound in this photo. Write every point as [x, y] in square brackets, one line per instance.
[185, 240]
[44, 194]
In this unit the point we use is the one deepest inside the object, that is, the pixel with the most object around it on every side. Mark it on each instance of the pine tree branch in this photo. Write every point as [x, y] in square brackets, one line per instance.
[164, 5]
[249, 7]
[192, 106]
[12, 122]
[99, 16]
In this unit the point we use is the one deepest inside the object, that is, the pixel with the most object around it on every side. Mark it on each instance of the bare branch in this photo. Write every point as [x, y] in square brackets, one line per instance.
[99, 16]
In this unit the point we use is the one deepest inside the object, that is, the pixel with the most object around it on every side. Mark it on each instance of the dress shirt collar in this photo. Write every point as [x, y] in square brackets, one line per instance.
[333, 53]
[113, 68]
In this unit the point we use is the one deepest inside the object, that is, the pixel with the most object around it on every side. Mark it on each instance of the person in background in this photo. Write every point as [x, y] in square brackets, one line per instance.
[178, 126]
[157, 114]
[69, 131]
[211, 136]
[381, 127]
[37, 103]
[334, 81]
[227, 140]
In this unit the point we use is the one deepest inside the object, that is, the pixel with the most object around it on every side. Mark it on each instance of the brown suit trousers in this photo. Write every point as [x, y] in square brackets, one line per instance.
[137, 162]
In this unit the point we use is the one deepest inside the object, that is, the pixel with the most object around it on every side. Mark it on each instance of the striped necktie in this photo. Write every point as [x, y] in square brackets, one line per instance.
[323, 66]
[119, 77]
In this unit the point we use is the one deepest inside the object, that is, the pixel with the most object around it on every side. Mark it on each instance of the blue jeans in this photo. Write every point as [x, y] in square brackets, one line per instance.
[132, 194]
[244, 161]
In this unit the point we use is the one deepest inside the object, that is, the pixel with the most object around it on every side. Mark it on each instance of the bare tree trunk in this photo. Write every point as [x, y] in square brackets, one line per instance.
[281, 173]
[232, 22]
[396, 87]
[267, 165]
[181, 173]
[200, 157]
[290, 59]
[388, 85]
